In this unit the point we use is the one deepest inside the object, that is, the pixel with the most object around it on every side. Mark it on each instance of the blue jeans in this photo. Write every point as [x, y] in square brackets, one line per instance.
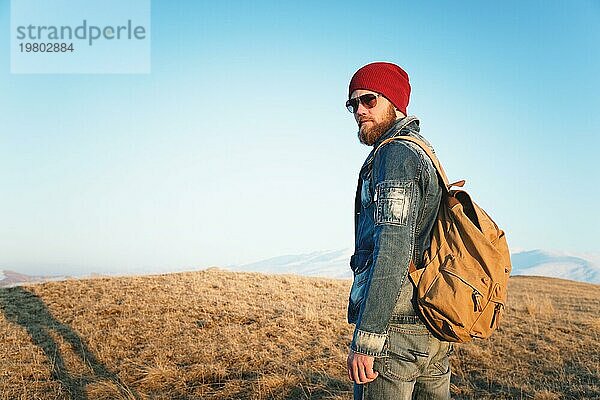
[416, 367]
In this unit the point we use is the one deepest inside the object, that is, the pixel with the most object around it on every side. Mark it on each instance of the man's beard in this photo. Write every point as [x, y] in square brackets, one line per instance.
[369, 135]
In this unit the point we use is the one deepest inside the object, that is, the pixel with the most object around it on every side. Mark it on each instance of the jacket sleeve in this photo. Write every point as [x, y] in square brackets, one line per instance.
[397, 170]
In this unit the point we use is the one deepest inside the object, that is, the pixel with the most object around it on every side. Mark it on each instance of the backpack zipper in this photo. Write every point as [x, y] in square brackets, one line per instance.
[477, 301]
[496, 314]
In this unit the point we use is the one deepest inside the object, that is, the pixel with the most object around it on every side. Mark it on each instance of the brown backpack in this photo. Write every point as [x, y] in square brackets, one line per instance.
[462, 286]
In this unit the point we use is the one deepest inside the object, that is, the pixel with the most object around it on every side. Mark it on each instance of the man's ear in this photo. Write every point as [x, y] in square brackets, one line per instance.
[399, 114]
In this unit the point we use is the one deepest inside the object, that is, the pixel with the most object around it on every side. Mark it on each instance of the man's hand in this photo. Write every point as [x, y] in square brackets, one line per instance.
[360, 368]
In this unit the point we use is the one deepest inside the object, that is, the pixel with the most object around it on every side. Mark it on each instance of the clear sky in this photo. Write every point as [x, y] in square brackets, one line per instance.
[237, 145]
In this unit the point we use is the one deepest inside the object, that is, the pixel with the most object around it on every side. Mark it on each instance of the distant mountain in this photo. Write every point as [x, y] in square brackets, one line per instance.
[335, 264]
[327, 263]
[556, 265]
[12, 278]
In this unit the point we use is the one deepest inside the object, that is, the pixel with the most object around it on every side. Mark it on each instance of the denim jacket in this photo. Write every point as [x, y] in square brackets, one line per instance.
[397, 201]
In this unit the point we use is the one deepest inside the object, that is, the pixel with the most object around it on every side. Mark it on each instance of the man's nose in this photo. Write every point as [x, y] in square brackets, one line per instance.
[361, 109]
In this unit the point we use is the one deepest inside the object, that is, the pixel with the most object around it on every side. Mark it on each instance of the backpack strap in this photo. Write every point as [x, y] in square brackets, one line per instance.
[432, 156]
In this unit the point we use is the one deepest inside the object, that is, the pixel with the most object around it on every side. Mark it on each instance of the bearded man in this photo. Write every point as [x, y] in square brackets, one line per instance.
[393, 355]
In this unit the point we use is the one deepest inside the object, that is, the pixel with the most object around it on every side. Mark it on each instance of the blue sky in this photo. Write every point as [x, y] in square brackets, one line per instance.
[237, 146]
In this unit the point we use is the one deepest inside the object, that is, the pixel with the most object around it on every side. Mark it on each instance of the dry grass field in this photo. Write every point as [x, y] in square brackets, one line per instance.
[222, 335]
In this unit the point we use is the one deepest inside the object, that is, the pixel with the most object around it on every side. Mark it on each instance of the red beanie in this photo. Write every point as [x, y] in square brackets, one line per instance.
[386, 78]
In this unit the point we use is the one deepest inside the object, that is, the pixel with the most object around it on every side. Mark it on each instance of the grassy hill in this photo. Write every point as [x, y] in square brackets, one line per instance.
[222, 335]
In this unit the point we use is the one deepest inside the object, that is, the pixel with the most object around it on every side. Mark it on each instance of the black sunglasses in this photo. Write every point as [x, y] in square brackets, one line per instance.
[368, 100]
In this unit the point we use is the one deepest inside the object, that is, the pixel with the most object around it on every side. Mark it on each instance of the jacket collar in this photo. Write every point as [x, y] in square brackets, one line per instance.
[408, 125]
[403, 126]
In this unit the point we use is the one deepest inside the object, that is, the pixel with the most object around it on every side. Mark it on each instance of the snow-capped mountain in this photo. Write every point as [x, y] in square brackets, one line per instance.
[327, 263]
[12, 278]
[335, 264]
[557, 265]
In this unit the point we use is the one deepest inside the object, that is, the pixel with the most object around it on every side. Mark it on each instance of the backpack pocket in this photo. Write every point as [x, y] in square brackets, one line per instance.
[456, 298]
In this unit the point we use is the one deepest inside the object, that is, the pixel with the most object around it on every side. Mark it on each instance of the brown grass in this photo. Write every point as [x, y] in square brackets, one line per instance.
[224, 335]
